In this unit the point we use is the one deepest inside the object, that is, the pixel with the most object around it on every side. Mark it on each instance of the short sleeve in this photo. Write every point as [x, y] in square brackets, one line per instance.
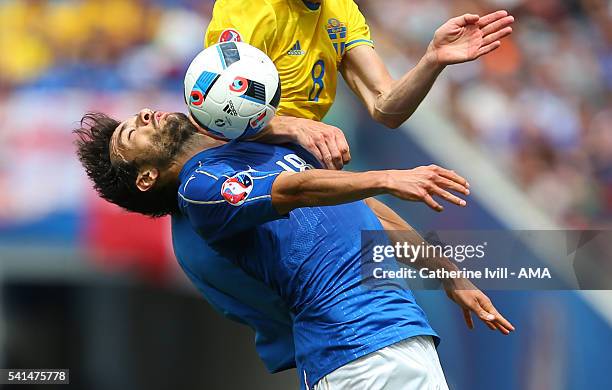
[219, 206]
[237, 21]
[358, 31]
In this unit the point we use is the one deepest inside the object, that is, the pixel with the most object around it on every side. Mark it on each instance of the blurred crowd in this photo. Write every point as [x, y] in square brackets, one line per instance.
[103, 45]
[541, 106]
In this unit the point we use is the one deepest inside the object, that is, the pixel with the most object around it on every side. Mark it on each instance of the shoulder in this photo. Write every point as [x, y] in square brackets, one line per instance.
[253, 22]
[235, 11]
[200, 185]
[349, 4]
[352, 11]
[340, 7]
[221, 185]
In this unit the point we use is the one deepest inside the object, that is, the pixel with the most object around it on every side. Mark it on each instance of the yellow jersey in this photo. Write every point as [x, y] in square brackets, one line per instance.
[305, 40]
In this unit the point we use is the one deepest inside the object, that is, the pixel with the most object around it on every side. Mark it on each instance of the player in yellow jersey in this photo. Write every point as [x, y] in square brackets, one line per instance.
[306, 45]
[311, 41]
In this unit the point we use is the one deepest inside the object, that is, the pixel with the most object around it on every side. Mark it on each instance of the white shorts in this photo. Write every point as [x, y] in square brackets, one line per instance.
[410, 364]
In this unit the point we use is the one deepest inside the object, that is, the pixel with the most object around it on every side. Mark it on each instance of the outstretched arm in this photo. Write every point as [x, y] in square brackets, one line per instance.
[391, 102]
[319, 187]
[461, 291]
[324, 188]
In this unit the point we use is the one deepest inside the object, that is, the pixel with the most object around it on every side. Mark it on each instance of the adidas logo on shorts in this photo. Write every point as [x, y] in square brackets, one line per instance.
[296, 50]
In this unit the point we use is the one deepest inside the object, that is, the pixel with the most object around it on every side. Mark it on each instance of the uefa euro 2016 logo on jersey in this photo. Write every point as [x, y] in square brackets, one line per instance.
[230, 35]
[236, 189]
[337, 33]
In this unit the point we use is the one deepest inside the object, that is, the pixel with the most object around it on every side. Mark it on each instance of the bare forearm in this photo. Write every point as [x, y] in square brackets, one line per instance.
[413, 238]
[461, 291]
[391, 102]
[324, 188]
[401, 98]
[279, 130]
[399, 231]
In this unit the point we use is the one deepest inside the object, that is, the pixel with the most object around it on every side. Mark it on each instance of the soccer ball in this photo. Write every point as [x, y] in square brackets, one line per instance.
[232, 89]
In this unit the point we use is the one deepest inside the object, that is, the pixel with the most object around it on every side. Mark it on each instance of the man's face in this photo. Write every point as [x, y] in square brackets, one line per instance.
[151, 137]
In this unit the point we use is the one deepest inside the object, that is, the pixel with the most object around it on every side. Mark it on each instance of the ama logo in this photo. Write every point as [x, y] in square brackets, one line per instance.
[230, 35]
[236, 189]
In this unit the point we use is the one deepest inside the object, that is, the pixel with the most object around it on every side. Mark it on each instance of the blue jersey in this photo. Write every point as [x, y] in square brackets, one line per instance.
[236, 295]
[309, 257]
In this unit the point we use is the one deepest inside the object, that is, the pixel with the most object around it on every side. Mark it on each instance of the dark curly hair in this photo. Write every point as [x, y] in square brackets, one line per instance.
[115, 181]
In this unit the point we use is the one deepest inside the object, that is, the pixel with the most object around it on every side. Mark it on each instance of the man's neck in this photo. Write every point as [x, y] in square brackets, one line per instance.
[198, 143]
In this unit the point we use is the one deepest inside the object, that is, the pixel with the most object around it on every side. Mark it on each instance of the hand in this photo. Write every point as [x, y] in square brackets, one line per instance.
[421, 183]
[469, 36]
[327, 143]
[471, 299]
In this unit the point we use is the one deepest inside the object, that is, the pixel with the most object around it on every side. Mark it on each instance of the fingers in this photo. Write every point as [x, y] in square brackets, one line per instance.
[448, 196]
[488, 314]
[467, 316]
[488, 48]
[326, 155]
[314, 149]
[484, 315]
[490, 325]
[329, 146]
[336, 156]
[429, 201]
[466, 19]
[422, 183]
[496, 36]
[452, 185]
[492, 17]
[343, 147]
[451, 175]
[441, 177]
[327, 151]
[499, 319]
[476, 301]
[496, 326]
[497, 25]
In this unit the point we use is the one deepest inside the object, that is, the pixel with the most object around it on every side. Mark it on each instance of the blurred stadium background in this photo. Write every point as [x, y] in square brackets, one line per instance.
[90, 288]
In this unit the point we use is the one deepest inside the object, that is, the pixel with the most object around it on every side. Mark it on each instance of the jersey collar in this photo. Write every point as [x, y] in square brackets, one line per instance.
[311, 5]
[196, 161]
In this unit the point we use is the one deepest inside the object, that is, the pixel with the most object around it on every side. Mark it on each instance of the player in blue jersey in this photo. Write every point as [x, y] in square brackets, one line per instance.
[295, 229]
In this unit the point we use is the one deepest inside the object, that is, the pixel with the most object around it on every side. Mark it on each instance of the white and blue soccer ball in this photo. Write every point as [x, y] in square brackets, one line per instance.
[232, 89]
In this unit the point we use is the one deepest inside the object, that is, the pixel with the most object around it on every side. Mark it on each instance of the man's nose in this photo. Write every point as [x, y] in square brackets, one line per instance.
[145, 116]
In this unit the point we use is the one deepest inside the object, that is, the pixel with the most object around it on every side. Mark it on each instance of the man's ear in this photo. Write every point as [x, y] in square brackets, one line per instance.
[146, 179]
